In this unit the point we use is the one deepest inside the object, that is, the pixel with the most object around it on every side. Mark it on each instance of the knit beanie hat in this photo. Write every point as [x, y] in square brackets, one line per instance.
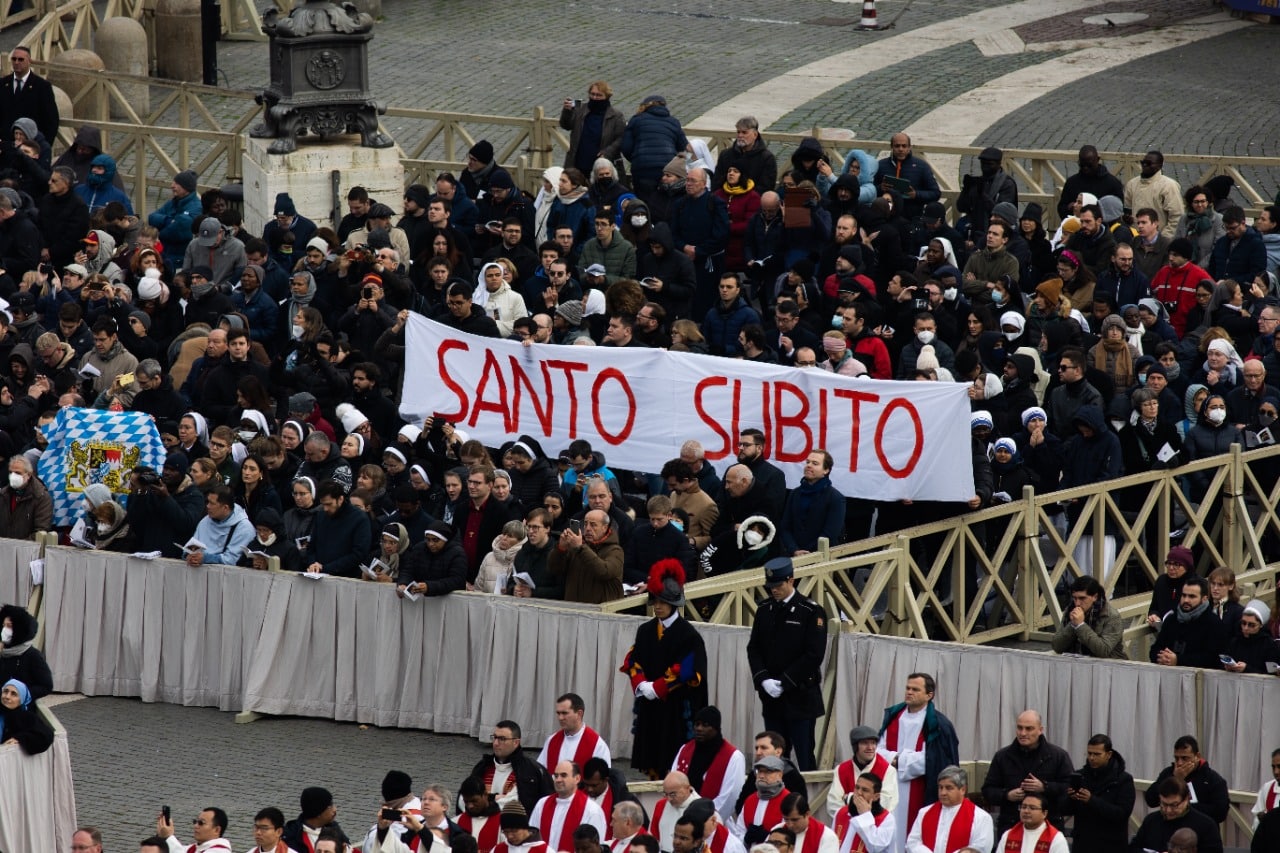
[314, 801]
[571, 311]
[676, 167]
[482, 151]
[396, 784]
[1050, 289]
[351, 417]
[187, 180]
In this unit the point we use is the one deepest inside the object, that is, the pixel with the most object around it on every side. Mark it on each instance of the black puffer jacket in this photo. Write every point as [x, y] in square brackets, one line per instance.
[1102, 823]
[19, 659]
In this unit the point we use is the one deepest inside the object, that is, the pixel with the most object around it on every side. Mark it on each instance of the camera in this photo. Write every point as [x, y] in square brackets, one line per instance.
[147, 477]
[46, 269]
[367, 292]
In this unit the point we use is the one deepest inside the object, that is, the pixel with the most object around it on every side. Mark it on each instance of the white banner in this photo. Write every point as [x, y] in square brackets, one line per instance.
[889, 440]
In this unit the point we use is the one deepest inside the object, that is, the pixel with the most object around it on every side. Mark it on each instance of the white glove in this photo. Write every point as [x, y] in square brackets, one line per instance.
[645, 690]
[772, 686]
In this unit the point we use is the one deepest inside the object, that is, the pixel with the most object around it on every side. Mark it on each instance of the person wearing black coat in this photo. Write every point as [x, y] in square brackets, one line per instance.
[1019, 379]
[1212, 797]
[785, 651]
[654, 539]
[1193, 635]
[1102, 801]
[20, 719]
[434, 566]
[464, 316]
[532, 476]
[18, 657]
[20, 238]
[64, 218]
[1092, 178]
[1177, 812]
[1252, 646]
[671, 267]
[531, 778]
[1030, 755]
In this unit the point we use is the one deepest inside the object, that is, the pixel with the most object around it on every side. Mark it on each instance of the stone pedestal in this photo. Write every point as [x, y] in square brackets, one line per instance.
[307, 176]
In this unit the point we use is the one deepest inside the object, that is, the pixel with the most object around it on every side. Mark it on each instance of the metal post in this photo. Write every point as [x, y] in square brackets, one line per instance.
[210, 31]
[335, 197]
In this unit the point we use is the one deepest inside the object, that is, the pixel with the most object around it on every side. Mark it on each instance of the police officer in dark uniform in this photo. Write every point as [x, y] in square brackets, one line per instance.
[787, 645]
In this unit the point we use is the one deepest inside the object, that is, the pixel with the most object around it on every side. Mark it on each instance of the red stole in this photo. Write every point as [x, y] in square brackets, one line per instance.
[655, 822]
[490, 772]
[572, 820]
[586, 748]
[812, 834]
[606, 806]
[842, 824]
[848, 775]
[961, 826]
[488, 837]
[718, 838]
[772, 810]
[915, 797]
[306, 843]
[713, 779]
[860, 846]
[1273, 796]
[1013, 844]
[502, 847]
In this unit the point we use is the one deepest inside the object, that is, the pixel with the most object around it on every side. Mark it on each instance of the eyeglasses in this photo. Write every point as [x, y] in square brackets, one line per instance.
[199, 822]
[501, 739]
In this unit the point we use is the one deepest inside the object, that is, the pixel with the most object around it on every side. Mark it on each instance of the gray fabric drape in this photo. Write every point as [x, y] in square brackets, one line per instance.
[15, 571]
[1241, 727]
[348, 650]
[37, 798]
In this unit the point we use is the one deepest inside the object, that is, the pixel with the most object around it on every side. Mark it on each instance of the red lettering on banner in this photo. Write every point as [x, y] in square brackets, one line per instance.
[856, 399]
[767, 427]
[617, 376]
[797, 421]
[916, 451]
[443, 370]
[735, 426]
[491, 371]
[712, 453]
[569, 367]
[520, 379]
[822, 418]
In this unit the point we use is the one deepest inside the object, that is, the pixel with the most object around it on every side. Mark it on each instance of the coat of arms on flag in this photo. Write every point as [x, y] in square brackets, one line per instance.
[88, 446]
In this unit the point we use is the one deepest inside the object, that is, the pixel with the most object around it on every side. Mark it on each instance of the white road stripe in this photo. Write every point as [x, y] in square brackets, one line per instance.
[778, 96]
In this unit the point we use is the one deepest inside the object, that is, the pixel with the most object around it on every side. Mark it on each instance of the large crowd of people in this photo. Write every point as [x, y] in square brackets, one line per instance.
[1137, 335]
[902, 791]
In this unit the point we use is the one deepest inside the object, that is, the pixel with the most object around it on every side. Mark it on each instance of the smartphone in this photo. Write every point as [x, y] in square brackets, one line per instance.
[1227, 659]
[164, 810]
[1075, 780]
[391, 814]
[576, 526]
[367, 293]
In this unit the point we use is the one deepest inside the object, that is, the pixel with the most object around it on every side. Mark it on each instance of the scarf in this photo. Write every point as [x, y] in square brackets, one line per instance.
[571, 196]
[1197, 223]
[1115, 359]
[740, 189]
[1192, 615]
[806, 493]
[24, 700]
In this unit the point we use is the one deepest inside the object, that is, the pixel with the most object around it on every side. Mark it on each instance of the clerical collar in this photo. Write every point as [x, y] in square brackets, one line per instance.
[670, 620]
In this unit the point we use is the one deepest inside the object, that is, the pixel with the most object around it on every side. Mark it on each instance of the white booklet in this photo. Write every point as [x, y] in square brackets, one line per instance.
[193, 545]
[525, 579]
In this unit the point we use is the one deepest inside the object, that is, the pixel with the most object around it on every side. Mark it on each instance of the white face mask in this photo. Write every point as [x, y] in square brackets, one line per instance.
[247, 435]
[1217, 416]
[950, 294]
[753, 537]
[925, 337]
[6, 635]
[639, 221]
[17, 481]
[297, 332]
[103, 527]
[270, 540]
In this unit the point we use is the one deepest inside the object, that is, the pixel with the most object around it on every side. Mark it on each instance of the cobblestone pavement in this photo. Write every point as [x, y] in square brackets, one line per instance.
[130, 758]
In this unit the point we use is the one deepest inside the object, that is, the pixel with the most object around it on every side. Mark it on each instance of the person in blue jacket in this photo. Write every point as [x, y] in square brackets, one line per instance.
[176, 218]
[651, 139]
[815, 508]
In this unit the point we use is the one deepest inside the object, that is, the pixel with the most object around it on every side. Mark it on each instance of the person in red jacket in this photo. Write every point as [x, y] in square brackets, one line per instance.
[867, 347]
[1175, 283]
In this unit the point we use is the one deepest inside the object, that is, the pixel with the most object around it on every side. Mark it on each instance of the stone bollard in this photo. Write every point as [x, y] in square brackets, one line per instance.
[66, 112]
[122, 44]
[178, 49]
[62, 74]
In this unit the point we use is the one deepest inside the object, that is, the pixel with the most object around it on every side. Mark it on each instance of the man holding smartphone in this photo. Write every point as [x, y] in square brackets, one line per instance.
[590, 559]
[1100, 795]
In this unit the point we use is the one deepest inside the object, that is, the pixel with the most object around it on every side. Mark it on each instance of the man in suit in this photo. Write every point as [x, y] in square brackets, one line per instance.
[24, 94]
